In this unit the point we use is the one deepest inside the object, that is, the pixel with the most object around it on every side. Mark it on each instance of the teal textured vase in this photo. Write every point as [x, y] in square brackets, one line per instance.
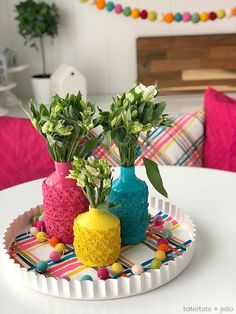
[131, 194]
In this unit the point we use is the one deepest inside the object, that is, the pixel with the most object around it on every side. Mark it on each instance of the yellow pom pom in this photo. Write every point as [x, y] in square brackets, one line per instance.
[220, 14]
[117, 268]
[160, 255]
[152, 16]
[41, 236]
[135, 13]
[204, 16]
[60, 248]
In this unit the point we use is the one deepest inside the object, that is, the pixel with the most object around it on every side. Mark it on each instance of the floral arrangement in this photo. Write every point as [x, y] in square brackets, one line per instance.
[130, 114]
[67, 121]
[95, 178]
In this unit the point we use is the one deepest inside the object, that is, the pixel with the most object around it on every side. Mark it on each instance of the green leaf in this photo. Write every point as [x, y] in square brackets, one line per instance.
[107, 139]
[154, 176]
[159, 110]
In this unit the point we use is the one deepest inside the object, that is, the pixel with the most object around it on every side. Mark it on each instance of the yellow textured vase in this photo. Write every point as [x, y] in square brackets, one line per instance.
[97, 238]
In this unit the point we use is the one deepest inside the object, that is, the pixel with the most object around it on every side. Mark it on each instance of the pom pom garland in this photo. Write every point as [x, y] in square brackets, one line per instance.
[168, 18]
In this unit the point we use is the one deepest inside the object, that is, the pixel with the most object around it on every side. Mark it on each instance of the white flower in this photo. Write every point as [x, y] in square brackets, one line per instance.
[91, 160]
[129, 96]
[139, 88]
[106, 183]
[47, 127]
[92, 171]
[97, 181]
[149, 93]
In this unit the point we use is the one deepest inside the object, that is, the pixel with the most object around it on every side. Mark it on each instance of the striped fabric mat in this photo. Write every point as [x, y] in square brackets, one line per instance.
[27, 252]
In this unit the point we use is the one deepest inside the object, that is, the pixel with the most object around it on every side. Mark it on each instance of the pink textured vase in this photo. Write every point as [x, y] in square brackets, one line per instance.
[63, 200]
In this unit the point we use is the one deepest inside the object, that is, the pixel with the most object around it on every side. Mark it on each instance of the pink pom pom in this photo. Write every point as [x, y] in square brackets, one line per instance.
[55, 256]
[41, 226]
[103, 273]
[157, 220]
[118, 8]
[34, 224]
[186, 17]
[162, 241]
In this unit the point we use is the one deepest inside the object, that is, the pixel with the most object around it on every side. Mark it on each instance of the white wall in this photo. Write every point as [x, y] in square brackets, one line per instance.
[103, 45]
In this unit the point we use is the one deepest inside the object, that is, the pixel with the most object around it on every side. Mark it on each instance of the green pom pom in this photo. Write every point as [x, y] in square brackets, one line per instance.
[178, 17]
[156, 263]
[195, 18]
[127, 11]
[110, 6]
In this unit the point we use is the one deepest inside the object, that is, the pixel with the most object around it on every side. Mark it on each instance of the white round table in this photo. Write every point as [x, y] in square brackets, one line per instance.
[209, 282]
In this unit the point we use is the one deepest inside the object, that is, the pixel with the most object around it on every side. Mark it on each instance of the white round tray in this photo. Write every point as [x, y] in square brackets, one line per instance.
[99, 289]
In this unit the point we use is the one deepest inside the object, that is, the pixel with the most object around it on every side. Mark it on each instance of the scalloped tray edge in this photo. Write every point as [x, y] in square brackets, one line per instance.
[100, 289]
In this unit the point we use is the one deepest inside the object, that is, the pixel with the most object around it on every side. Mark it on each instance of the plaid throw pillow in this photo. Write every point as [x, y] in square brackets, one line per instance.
[180, 145]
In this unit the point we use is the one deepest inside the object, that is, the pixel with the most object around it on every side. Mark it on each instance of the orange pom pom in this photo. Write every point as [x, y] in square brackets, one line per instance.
[169, 17]
[100, 4]
[54, 241]
[135, 13]
[163, 247]
[204, 16]
[234, 11]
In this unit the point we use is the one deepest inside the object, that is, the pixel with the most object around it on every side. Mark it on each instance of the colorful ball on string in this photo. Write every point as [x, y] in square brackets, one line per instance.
[212, 16]
[157, 220]
[160, 254]
[53, 241]
[162, 241]
[117, 268]
[186, 16]
[137, 269]
[41, 225]
[127, 11]
[55, 256]
[33, 231]
[163, 247]
[110, 6]
[143, 14]
[178, 17]
[118, 9]
[41, 267]
[234, 11]
[220, 14]
[86, 277]
[228, 12]
[166, 233]
[100, 4]
[160, 17]
[135, 13]
[195, 18]
[155, 263]
[152, 16]
[204, 16]
[103, 273]
[60, 247]
[169, 17]
[41, 236]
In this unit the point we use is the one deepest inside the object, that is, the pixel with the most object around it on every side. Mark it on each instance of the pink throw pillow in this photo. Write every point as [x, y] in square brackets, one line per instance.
[220, 131]
[23, 153]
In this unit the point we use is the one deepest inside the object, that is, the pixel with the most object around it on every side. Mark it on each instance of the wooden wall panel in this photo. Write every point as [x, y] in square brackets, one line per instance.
[188, 63]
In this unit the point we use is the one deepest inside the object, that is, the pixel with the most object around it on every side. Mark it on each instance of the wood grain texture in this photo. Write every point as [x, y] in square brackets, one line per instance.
[188, 63]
